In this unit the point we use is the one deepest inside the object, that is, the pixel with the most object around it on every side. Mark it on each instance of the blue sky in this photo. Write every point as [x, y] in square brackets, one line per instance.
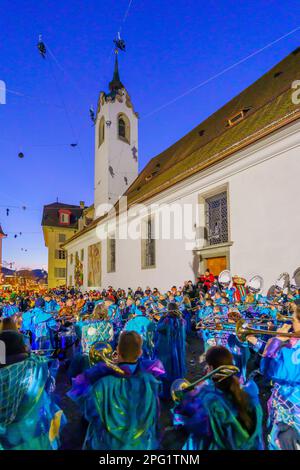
[171, 47]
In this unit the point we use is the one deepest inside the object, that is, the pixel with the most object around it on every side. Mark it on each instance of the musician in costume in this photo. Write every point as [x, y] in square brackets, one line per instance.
[202, 315]
[128, 310]
[42, 326]
[50, 305]
[221, 415]
[240, 289]
[281, 364]
[225, 282]
[113, 309]
[170, 345]
[29, 417]
[94, 328]
[120, 400]
[145, 326]
[241, 354]
[294, 288]
[187, 312]
[11, 308]
[255, 286]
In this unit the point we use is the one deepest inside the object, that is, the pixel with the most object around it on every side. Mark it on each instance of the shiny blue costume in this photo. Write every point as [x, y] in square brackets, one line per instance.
[170, 348]
[9, 310]
[211, 420]
[122, 409]
[51, 306]
[281, 364]
[29, 418]
[42, 326]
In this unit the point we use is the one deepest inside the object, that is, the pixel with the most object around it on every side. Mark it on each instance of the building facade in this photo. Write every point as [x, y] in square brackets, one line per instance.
[60, 222]
[224, 196]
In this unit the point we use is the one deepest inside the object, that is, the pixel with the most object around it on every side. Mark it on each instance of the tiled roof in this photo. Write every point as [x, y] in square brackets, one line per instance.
[51, 215]
[266, 105]
[264, 102]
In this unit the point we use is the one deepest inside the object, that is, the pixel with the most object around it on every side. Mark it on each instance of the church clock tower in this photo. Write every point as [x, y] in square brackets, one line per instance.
[116, 143]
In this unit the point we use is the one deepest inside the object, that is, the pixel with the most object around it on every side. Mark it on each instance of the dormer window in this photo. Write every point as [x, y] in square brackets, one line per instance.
[64, 216]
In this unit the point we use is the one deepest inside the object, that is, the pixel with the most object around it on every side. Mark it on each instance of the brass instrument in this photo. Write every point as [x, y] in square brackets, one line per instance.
[181, 386]
[103, 352]
[283, 318]
[243, 331]
[213, 321]
[263, 319]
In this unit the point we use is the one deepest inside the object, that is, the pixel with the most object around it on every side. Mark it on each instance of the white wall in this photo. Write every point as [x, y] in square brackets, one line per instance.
[265, 217]
[114, 152]
[263, 182]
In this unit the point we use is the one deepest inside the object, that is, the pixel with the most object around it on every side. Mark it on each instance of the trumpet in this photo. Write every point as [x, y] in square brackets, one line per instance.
[181, 386]
[103, 352]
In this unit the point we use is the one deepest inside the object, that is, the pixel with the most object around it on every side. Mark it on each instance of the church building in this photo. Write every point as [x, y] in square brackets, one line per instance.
[224, 196]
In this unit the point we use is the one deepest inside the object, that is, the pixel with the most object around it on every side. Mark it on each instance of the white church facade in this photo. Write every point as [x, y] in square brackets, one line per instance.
[224, 196]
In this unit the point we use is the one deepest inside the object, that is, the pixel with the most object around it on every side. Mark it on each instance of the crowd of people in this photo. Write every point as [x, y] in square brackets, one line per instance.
[124, 354]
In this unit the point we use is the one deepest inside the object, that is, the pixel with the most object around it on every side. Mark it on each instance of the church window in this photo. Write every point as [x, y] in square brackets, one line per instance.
[216, 213]
[111, 254]
[71, 258]
[82, 255]
[148, 243]
[124, 128]
[101, 131]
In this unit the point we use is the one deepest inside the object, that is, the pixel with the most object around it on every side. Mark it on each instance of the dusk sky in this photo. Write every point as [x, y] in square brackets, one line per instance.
[172, 46]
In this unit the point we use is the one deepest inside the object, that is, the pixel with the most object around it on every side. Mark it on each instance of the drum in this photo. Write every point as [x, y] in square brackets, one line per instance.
[95, 331]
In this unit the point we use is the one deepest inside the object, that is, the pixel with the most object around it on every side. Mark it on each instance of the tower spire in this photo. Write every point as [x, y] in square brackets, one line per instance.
[116, 83]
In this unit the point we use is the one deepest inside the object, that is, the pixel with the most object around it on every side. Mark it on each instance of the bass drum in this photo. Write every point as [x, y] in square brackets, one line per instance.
[95, 331]
[145, 328]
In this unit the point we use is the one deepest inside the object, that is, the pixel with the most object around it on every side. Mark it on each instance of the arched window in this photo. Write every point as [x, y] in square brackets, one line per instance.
[124, 128]
[101, 131]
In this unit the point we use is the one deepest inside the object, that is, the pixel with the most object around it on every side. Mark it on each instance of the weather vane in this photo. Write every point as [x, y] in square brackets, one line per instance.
[120, 44]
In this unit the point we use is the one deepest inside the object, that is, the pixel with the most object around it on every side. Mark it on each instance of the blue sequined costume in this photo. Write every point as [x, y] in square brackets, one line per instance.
[122, 410]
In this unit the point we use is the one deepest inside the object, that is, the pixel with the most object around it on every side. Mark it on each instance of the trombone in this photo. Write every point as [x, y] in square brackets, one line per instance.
[242, 330]
[181, 386]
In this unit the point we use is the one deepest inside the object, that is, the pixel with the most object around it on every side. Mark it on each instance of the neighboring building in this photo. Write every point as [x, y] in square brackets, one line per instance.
[60, 222]
[239, 170]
